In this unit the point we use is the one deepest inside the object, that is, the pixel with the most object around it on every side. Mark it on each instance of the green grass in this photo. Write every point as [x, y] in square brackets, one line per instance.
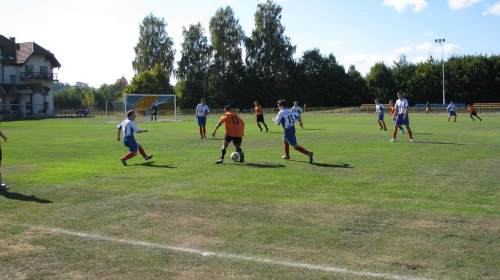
[429, 209]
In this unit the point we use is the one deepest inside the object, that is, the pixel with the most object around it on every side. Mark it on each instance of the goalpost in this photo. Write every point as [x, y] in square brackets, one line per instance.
[142, 104]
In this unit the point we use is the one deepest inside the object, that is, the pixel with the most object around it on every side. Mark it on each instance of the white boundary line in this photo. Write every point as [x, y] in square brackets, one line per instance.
[224, 255]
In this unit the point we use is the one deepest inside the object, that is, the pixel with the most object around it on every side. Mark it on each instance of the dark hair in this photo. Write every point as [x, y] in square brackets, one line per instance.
[227, 107]
[203, 99]
[282, 102]
[129, 113]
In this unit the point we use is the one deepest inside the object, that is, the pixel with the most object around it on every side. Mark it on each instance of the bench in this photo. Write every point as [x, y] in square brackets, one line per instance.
[491, 107]
[83, 113]
[439, 105]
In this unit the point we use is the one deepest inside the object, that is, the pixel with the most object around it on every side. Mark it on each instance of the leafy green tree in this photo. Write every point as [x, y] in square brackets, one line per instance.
[156, 81]
[355, 88]
[89, 102]
[226, 72]
[194, 64]
[155, 47]
[269, 54]
[380, 82]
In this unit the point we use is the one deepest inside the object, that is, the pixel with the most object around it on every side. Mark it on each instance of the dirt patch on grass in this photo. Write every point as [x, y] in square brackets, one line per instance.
[21, 244]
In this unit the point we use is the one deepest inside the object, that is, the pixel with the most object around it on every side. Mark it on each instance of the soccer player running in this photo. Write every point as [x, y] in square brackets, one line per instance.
[402, 109]
[287, 119]
[296, 108]
[472, 112]
[451, 110]
[202, 112]
[379, 109]
[394, 116]
[259, 116]
[129, 127]
[234, 133]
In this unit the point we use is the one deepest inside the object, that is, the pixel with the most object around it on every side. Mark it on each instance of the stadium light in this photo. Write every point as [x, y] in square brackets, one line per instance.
[440, 41]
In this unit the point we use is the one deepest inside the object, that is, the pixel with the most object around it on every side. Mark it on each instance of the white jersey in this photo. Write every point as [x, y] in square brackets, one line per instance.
[451, 107]
[401, 105]
[297, 110]
[286, 118]
[379, 108]
[129, 127]
[202, 110]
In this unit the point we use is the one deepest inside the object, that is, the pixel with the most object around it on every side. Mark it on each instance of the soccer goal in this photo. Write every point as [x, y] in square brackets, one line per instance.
[116, 111]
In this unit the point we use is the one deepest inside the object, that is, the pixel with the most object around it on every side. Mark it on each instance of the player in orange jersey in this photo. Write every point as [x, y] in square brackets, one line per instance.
[472, 112]
[234, 132]
[259, 116]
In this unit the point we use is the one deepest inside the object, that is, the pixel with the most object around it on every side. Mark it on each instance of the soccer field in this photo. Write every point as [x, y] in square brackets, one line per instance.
[367, 208]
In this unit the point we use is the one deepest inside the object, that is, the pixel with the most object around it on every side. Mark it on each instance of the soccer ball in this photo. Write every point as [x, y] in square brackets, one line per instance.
[235, 156]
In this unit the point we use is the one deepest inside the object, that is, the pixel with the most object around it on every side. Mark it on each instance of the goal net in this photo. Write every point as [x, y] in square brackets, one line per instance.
[116, 111]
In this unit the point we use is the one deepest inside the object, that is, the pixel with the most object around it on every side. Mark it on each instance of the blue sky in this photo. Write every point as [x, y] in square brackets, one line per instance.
[94, 39]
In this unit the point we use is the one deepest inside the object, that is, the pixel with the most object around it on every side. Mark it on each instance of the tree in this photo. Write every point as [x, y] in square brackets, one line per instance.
[193, 66]
[380, 82]
[154, 82]
[269, 53]
[155, 47]
[226, 72]
[89, 101]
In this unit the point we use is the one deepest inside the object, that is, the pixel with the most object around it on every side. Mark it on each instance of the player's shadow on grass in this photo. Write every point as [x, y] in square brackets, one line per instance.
[22, 197]
[151, 164]
[436, 142]
[344, 165]
[264, 165]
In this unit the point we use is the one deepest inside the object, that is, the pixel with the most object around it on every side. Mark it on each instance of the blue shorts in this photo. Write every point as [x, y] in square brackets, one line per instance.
[452, 113]
[289, 135]
[400, 121]
[380, 117]
[202, 121]
[130, 143]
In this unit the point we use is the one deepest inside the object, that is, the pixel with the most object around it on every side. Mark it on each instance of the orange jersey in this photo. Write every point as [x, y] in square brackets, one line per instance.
[392, 110]
[234, 124]
[258, 110]
[471, 109]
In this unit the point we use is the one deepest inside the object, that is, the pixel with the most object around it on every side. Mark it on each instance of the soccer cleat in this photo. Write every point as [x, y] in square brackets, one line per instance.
[267, 130]
[411, 140]
[260, 130]
[310, 157]
[3, 187]
[285, 157]
[393, 140]
[242, 157]
[148, 157]
[402, 131]
[221, 160]
[123, 161]
[201, 137]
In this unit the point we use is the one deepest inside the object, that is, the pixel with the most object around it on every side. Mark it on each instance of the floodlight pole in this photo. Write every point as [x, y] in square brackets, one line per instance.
[440, 41]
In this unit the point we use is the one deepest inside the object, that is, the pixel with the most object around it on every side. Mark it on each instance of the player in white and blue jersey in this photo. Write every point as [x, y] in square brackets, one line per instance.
[202, 112]
[296, 108]
[401, 108]
[451, 110]
[287, 119]
[129, 128]
[379, 109]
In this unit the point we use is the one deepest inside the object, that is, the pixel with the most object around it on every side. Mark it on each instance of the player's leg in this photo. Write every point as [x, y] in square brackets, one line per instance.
[2, 185]
[287, 149]
[223, 151]
[143, 152]
[237, 147]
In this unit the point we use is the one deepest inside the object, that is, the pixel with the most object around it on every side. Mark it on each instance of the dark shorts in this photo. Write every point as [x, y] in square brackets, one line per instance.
[202, 121]
[452, 113]
[260, 118]
[473, 113]
[236, 140]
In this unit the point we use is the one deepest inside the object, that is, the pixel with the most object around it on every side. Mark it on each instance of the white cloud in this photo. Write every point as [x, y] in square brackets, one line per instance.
[449, 48]
[407, 42]
[424, 47]
[419, 59]
[458, 4]
[364, 62]
[401, 5]
[493, 10]
[336, 42]
[403, 50]
[430, 33]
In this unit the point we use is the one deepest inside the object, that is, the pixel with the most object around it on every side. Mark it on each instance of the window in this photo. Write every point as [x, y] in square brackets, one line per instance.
[44, 71]
[12, 79]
